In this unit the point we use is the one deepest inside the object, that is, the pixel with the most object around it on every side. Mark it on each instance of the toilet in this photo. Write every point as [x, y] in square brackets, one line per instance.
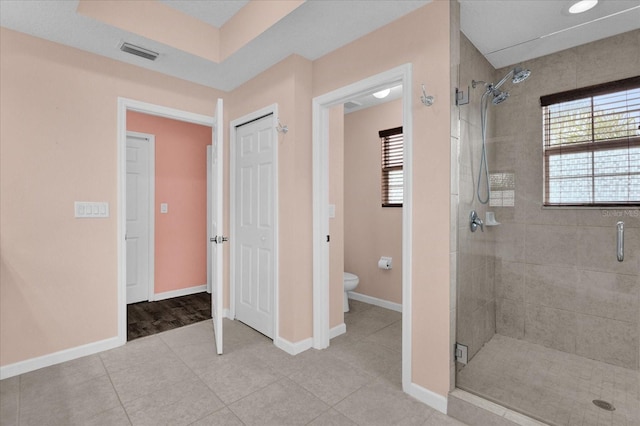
[350, 283]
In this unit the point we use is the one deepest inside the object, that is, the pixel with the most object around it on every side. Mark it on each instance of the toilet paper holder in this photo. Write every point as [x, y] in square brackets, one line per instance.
[385, 262]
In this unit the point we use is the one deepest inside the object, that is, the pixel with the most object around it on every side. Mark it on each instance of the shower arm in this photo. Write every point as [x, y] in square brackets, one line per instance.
[501, 82]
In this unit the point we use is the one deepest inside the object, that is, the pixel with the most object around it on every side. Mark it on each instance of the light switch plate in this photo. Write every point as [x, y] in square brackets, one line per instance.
[332, 210]
[90, 209]
[164, 208]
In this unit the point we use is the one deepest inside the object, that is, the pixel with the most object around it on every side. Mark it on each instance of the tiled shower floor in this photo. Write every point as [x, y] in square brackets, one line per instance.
[550, 385]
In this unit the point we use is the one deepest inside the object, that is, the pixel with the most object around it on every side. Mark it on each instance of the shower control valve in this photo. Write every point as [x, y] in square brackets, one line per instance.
[475, 221]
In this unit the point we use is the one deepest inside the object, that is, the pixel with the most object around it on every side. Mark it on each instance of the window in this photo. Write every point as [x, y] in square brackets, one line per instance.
[592, 145]
[392, 160]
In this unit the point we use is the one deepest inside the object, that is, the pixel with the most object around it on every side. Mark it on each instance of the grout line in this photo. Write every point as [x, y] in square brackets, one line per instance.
[126, 413]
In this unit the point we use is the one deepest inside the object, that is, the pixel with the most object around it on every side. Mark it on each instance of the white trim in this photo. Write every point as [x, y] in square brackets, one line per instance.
[321, 105]
[227, 314]
[180, 292]
[432, 399]
[375, 301]
[273, 110]
[151, 139]
[125, 105]
[293, 348]
[338, 330]
[32, 364]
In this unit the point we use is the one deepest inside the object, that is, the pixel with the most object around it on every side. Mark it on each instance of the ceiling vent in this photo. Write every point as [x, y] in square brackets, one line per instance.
[352, 104]
[139, 51]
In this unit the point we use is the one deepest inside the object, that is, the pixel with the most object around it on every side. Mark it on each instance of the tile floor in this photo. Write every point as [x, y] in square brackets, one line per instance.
[175, 378]
[553, 386]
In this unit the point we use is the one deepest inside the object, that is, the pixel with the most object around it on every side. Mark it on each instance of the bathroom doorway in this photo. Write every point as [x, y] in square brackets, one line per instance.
[322, 284]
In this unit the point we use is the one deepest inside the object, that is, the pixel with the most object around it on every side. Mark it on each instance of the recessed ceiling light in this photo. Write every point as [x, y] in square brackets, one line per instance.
[582, 6]
[382, 94]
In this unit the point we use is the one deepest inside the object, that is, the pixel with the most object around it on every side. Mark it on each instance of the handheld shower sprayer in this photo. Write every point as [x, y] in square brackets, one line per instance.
[517, 75]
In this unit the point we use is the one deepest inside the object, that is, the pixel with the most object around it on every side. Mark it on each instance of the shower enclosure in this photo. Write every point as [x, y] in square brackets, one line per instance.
[549, 317]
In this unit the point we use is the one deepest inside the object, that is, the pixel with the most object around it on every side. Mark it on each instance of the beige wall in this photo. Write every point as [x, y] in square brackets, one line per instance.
[63, 295]
[58, 285]
[558, 282]
[371, 231]
[420, 38]
[289, 85]
[336, 224]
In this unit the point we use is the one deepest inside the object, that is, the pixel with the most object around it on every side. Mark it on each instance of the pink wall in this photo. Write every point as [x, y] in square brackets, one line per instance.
[181, 182]
[371, 231]
[58, 109]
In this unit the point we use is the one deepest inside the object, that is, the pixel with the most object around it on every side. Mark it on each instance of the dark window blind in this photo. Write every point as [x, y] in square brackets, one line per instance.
[392, 161]
[592, 145]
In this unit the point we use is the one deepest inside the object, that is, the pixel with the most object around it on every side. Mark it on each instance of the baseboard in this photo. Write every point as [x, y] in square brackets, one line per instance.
[33, 364]
[227, 314]
[337, 330]
[375, 301]
[293, 348]
[432, 399]
[180, 292]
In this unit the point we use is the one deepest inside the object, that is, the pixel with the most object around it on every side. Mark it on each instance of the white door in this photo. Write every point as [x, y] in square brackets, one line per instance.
[138, 235]
[254, 244]
[214, 226]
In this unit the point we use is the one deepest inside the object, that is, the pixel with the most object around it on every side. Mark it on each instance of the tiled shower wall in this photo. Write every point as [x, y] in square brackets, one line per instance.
[476, 301]
[557, 280]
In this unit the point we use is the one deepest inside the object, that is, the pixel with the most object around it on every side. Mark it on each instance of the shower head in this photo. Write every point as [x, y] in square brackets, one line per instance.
[499, 96]
[520, 75]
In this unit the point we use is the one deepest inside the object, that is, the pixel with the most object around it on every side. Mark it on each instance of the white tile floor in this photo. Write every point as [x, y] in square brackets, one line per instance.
[552, 386]
[175, 378]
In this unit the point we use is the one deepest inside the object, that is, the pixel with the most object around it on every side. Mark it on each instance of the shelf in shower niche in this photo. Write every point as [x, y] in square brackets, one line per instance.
[490, 219]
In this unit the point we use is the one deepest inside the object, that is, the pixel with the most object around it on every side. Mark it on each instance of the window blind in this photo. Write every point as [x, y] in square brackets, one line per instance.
[392, 162]
[592, 145]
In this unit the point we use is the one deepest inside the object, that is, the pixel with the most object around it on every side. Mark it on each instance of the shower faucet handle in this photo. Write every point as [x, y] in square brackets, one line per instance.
[475, 221]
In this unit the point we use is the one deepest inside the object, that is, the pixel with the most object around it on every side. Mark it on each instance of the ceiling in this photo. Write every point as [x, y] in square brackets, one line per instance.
[505, 31]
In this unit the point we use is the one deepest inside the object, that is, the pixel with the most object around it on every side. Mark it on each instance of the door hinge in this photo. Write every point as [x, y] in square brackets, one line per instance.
[219, 239]
[461, 353]
[328, 238]
[462, 97]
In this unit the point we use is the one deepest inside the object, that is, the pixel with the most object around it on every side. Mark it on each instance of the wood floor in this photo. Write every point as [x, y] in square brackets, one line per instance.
[147, 318]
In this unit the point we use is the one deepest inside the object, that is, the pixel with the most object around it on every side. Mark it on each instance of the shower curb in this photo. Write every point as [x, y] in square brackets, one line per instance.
[476, 411]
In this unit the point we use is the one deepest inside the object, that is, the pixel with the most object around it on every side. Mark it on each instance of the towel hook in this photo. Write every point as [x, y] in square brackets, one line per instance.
[280, 128]
[427, 100]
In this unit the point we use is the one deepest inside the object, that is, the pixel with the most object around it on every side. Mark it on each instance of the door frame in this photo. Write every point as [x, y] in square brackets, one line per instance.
[151, 139]
[320, 141]
[124, 105]
[273, 110]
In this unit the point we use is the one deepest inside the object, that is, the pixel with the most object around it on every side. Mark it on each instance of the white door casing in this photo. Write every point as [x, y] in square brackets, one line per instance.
[125, 105]
[140, 160]
[216, 239]
[320, 144]
[254, 226]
